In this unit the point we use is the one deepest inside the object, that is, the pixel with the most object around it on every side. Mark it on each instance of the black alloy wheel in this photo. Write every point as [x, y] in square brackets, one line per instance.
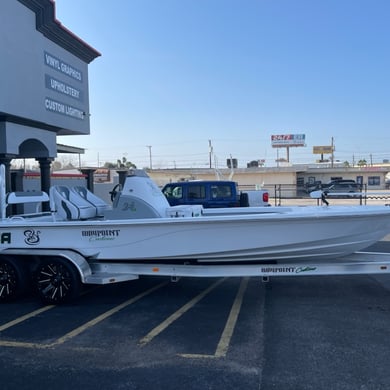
[13, 278]
[57, 281]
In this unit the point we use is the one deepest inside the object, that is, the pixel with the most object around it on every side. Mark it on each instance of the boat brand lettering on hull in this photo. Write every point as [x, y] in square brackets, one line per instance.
[287, 270]
[101, 235]
[5, 238]
[32, 237]
[275, 270]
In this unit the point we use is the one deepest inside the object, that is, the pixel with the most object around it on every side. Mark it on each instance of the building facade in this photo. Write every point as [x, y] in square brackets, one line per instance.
[293, 179]
[44, 83]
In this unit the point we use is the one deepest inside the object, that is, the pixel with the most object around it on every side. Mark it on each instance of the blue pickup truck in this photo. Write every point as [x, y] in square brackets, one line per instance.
[212, 194]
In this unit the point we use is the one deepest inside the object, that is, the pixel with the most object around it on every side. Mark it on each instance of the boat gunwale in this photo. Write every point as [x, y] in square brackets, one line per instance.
[292, 213]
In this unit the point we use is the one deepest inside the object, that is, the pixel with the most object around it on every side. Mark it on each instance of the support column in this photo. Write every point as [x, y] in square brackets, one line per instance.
[44, 165]
[17, 185]
[6, 161]
[89, 176]
[122, 176]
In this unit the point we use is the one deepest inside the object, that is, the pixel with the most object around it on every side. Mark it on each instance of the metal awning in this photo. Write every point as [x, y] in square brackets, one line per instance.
[69, 149]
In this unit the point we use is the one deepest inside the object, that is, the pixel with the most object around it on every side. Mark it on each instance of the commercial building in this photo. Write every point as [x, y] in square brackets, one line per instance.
[44, 83]
[294, 178]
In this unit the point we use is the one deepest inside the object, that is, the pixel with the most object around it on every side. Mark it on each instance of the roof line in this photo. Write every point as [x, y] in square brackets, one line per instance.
[51, 28]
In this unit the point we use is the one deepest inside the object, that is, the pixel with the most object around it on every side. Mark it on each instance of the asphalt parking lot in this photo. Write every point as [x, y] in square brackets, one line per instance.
[212, 333]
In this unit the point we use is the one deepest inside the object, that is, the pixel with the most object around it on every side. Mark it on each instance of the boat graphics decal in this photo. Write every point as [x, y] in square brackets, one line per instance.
[305, 269]
[101, 234]
[32, 237]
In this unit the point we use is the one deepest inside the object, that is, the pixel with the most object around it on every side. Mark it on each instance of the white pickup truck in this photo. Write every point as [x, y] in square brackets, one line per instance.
[258, 198]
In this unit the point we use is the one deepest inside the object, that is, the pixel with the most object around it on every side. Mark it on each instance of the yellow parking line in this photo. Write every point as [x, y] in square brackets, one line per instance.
[19, 344]
[227, 333]
[74, 332]
[90, 324]
[197, 356]
[25, 317]
[158, 329]
[34, 313]
[222, 347]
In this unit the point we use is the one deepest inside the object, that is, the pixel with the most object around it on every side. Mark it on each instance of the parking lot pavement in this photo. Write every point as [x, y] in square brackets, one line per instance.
[327, 334]
[235, 333]
[133, 335]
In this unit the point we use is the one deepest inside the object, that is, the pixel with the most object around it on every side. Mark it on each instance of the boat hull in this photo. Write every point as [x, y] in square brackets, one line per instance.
[296, 234]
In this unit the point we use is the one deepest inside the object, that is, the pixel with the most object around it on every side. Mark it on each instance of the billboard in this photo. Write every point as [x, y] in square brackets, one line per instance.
[287, 140]
[323, 149]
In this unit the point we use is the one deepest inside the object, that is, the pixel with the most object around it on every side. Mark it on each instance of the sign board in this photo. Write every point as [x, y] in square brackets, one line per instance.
[40, 80]
[287, 140]
[322, 149]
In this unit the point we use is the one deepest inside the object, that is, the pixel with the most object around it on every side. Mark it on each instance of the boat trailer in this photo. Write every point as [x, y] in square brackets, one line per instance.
[354, 264]
[59, 274]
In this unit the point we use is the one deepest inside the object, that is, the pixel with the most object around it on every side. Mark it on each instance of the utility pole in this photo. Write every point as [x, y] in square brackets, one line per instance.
[150, 156]
[210, 152]
[332, 157]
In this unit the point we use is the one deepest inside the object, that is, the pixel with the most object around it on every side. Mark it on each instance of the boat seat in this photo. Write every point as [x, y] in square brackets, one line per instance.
[69, 205]
[99, 204]
[23, 197]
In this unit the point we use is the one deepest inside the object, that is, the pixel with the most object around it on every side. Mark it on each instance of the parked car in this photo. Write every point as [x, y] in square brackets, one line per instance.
[344, 186]
[341, 182]
[313, 186]
[338, 185]
[212, 194]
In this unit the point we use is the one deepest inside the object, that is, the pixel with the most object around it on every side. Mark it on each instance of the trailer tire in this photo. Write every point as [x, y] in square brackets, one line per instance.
[13, 278]
[57, 281]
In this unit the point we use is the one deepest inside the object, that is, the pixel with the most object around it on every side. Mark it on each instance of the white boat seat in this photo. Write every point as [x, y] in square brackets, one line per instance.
[69, 205]
[23, 197]
[99, 204]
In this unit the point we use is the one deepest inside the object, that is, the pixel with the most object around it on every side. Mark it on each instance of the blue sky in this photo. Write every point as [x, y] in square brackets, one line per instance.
[175, 74]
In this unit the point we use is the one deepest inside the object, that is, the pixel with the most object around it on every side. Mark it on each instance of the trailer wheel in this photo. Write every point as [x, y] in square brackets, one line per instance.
[57, 281]
[13, 278]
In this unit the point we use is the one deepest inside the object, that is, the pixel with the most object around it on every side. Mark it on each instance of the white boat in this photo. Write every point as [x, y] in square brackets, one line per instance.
[141, 227]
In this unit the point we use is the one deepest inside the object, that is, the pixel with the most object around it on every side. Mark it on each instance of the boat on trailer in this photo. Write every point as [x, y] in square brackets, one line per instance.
[84, 240]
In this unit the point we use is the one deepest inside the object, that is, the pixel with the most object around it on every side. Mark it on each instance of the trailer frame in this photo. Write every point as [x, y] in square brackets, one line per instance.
[59, 274]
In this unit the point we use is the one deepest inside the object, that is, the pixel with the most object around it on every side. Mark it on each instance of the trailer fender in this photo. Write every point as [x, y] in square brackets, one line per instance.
[75, 258]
